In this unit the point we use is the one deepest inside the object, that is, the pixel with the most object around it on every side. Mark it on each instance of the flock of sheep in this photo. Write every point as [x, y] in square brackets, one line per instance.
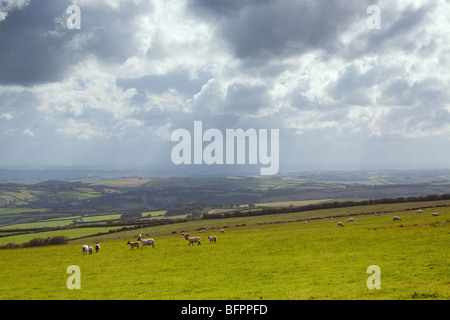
[87, 248]
[150, 242]
[145, 242]
[394, 218]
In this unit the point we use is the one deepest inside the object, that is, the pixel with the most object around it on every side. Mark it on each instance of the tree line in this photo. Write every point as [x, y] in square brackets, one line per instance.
[324, 205]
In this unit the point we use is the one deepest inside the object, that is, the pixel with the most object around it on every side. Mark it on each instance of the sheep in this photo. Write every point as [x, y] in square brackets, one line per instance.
[419, 211]
[340, 224]
[221, 230]
[85, 249]
[90, 249]
[193, 239]
[185, 235]
[97, 248]
[435, 214]
[146, 242]
[212, 239]
[134, 244]
[202, 230]
[396, 218]
[350, 220]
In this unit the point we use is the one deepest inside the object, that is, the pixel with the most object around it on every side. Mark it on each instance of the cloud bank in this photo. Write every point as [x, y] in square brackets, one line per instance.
[109, 95]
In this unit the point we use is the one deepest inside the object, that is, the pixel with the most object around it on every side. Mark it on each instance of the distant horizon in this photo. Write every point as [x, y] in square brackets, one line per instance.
[95, 173]
[226, 168]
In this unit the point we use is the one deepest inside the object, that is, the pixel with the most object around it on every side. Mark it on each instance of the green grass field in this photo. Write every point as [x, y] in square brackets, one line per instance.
[266, 258]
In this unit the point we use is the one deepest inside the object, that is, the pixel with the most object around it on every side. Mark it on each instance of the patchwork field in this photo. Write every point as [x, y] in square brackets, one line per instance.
[263, 257]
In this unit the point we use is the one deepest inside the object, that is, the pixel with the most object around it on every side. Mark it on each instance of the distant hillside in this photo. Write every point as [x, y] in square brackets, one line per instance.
[74, 200]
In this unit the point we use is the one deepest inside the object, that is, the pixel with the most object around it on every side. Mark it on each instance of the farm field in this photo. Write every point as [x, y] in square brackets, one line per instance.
[59, 203]
[70, 233]
[263, 257]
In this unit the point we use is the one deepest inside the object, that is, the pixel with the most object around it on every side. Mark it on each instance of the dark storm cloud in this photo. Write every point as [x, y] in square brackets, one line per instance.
[112, 30]
[259, 31]
[28, 54]
[37, 47]
[218, 9]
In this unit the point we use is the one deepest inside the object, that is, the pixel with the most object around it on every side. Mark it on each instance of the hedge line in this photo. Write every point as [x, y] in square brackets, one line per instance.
[325, 205]
[38, 242]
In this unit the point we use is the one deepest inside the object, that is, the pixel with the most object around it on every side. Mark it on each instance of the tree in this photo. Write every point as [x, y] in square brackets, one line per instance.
[136, 215]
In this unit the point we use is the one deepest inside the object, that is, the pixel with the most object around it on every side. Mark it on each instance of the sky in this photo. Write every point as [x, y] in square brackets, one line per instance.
[109, 94]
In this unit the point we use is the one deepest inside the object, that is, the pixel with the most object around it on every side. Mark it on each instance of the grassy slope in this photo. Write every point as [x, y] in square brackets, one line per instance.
[267, 261]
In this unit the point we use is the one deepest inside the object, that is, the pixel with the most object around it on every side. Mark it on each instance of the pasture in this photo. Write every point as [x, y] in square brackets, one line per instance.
[263, 258]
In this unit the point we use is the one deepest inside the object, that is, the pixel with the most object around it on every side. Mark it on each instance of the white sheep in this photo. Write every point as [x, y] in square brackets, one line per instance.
[97, 248]
[435, 214]
[185, 235]
[212, 239]
[90, 249]
[202, 230]
[134, 244]
[221, 230]
[340, 224]
[396, 218]
[193, 239]
[350, 220]
[85, 249]
[419, 211]
[146, 242]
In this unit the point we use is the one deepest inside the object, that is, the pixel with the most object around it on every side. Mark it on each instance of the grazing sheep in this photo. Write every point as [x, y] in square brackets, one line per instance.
[97, 248]
[85, 249]
[212, 239]
[146, 242]
[350, 220]
[134, 244]
[306, 222]
[202, 231]
[193, 239]
[419, 211]
[185, 235]
[396, 218]
[435, 214]
[90, 249]
[221, 230]
[340, 224]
